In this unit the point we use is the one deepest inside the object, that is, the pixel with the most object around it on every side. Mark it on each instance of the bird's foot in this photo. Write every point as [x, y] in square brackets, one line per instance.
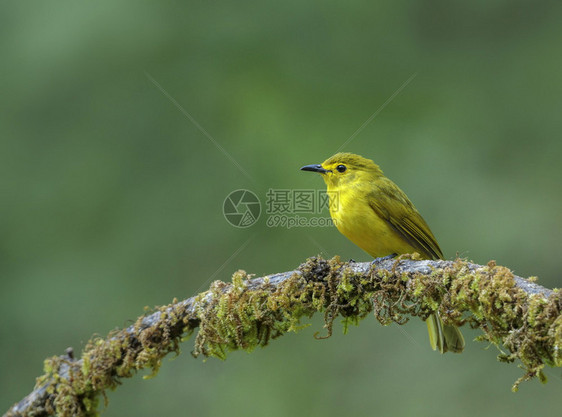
[377, 261]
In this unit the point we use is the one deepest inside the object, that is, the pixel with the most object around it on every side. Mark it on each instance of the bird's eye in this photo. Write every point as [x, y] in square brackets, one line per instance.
[341, 168]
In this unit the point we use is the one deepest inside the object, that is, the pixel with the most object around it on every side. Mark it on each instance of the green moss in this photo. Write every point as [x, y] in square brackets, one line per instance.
[240, 318]
[105, 361]
[246, 314]
[526, 325]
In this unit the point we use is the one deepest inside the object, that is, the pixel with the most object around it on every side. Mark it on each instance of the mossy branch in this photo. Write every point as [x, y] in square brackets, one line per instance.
[512, 312]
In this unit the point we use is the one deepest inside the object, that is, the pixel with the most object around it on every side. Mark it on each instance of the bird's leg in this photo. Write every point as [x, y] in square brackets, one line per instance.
[383, 258]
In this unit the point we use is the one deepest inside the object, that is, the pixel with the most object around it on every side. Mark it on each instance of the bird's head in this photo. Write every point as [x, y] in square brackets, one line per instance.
[344, 169]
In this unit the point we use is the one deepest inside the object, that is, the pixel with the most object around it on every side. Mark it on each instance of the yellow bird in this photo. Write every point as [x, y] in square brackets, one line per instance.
[376, 215]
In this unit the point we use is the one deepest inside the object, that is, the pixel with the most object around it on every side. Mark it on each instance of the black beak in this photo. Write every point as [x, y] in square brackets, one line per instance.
[315, 168]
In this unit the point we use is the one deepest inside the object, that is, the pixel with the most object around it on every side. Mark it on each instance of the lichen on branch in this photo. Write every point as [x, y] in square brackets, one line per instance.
[521, 318]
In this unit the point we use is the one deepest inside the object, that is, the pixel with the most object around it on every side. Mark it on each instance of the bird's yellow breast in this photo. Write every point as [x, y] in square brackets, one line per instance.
[356, 220]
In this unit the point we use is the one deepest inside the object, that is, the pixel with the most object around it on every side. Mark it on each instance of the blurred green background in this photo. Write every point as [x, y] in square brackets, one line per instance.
[111, 197]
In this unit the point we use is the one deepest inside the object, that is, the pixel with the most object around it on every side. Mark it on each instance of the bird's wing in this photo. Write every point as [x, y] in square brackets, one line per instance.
[398, 211]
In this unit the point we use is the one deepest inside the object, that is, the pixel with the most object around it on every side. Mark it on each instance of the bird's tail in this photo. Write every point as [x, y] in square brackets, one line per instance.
[444, 338]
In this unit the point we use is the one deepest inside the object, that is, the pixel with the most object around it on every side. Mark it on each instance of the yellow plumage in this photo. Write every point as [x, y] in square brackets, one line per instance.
[376, 215]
